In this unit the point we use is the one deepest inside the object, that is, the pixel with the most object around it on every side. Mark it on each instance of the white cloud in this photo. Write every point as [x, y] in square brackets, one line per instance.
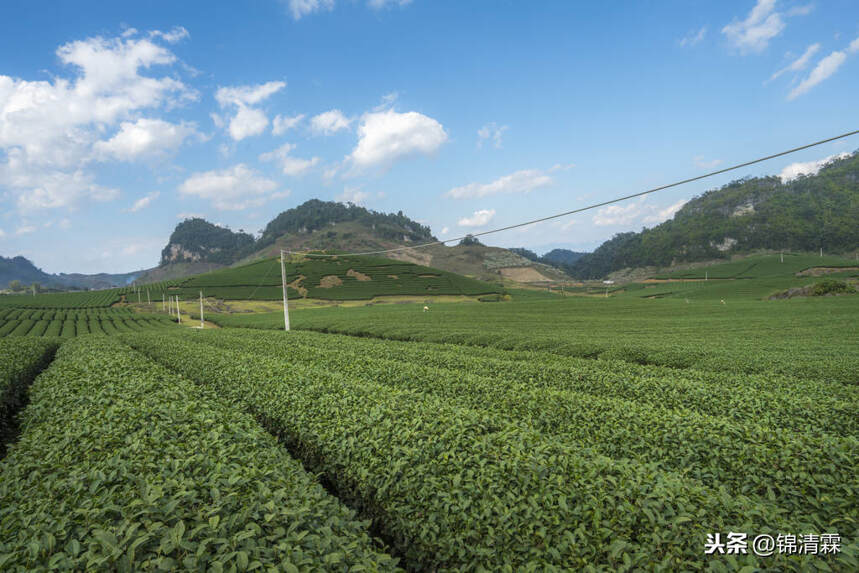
[2, 233]
[823, 70]
[523, 181]
[144, 138]
[48, 129]
[295, 166]
[300, 8]
[618, 214]
[329, 122]
[247, 121]
[444, 230]
[379, 4]
[290, 165]
[636, 211]
[281, 123]
[693, 38]
[854, 46]
[247, 95]
[385, 136]
[388, 100]
[353, 195]
[491, 131]
[25, 230]
[175, 35]
[794, 170]
[50, 188]
[666, 213]
[798, 64]
[478, 219]
[755, 32]
[702, 163]
[231, 189]
[144, 202]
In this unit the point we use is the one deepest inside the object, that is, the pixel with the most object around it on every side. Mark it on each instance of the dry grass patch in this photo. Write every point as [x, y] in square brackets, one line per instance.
[330, 281]
[360, 276]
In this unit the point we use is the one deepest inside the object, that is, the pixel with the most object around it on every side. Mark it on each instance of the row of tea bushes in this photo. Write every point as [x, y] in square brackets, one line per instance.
[462, 489]
[125, 466]
[21, 359]
[810, 476]
[811, 406]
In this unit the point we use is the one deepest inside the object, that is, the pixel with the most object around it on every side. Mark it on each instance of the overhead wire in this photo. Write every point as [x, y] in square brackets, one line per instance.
[588, 207]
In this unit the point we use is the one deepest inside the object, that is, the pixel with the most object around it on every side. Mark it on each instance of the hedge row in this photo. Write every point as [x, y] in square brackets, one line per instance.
[813, 477]
[125, 466]
[803, 405]
[21, 359]
[455, 488]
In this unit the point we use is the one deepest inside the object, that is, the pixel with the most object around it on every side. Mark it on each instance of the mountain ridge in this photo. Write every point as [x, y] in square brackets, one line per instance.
[804, 214]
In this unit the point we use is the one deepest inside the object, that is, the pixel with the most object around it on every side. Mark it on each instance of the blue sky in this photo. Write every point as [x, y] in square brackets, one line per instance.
[118, 119]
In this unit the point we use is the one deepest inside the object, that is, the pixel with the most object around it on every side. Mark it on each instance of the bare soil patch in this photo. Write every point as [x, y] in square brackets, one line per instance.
[330, 281]
[413, 256]
[523, 274]
[820, 271]
[296, 285]
[360, 276]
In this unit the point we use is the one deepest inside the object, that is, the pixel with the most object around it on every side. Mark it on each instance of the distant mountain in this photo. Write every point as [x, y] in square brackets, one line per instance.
[761, 213]
[23, 270]
[316, 215]
[559, 258]
[198, 241]
[331, 226]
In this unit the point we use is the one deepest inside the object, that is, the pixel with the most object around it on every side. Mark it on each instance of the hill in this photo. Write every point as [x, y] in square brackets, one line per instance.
[330, 278]
[558, 258]
[329, 226]
[761, 213]
[23, 270]
[753, 277]
[198, 241]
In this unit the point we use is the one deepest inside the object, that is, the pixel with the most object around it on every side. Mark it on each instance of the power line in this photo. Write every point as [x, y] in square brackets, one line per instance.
[596, 205]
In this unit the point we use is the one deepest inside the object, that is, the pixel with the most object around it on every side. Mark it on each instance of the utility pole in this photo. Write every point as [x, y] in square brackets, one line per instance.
[202, 324]
[178, 312]
[149, 302]
[821, 252]
[782, 257]
[285, 300]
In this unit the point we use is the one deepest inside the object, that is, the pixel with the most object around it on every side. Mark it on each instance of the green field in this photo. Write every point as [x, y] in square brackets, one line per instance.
[812, 337]
[64, 323]
[329, 278]
[545, 433]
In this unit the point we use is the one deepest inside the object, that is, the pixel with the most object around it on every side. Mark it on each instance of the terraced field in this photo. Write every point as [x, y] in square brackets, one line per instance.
[815, 338]
[69, 323]
[123, 465]
[330, 278]
[465, 456]
[548, 433]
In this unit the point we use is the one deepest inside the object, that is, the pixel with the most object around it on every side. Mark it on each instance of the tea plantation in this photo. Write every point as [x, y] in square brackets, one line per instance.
[330, 278]
[550, 433]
